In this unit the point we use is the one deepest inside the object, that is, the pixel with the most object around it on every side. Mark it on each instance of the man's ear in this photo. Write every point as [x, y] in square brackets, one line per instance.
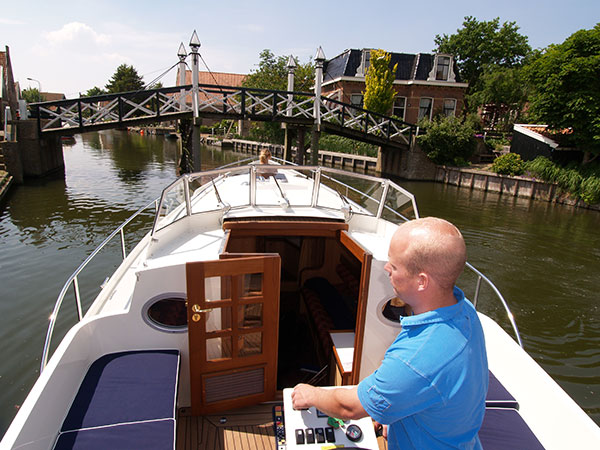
[422, 281]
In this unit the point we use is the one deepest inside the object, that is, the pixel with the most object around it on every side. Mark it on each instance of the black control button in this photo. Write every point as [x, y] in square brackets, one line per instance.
[329, 434]
[299, 436]
[320, 435]
[310, 436]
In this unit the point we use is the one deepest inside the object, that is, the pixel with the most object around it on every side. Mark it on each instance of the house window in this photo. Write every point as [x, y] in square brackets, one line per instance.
[449, 107]
[356, 100]
[425, 107]
[399, 107]
[443, 68]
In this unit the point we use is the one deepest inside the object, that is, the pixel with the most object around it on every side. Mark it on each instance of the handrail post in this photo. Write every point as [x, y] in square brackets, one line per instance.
[77, 298]
[386, 187]
[123, 251]
[476, 295]
[315, 193]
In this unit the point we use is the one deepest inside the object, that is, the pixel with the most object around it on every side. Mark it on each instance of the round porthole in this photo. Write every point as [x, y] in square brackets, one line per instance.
[390, 310]
[166, 312]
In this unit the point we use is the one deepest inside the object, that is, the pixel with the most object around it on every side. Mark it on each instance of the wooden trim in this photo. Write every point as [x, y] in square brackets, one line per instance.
[286, 228]
[354, 247]
[361, 316]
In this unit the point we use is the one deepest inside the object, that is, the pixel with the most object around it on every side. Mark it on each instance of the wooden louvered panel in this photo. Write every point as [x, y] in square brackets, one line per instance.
[228, 385]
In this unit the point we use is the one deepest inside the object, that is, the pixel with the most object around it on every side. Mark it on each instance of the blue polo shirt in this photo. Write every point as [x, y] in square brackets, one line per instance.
[431, 386]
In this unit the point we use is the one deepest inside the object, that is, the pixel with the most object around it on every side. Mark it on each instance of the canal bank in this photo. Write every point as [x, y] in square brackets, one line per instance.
[5, 183]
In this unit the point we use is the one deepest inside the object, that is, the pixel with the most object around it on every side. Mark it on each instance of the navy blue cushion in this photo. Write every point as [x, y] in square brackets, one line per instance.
[157, 435]
[504, 429]
[498, 396]
[126, 387]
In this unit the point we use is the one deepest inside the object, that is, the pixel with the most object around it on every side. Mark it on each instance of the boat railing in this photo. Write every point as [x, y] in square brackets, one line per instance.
[482, 278]
[73, 280]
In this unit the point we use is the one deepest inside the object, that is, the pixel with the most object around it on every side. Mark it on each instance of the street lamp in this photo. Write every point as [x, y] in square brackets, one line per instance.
[39, 88]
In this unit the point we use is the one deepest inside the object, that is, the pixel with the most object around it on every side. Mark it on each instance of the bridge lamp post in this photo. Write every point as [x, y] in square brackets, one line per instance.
[314, 148]
[181, 54]
[195, 45]
[291, 67]
[39, 88]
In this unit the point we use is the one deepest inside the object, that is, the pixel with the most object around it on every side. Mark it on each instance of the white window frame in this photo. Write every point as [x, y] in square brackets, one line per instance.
[403, 116]
[448, 112]
[433, 74]
[420, 116]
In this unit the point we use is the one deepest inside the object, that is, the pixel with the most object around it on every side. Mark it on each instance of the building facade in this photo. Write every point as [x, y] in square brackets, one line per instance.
[426, 84]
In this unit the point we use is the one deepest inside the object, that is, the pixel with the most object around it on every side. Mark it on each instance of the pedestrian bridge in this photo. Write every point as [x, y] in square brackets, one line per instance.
[303, 109]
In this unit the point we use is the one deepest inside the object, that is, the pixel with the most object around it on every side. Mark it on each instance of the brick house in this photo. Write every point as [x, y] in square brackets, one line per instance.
[218, 78]
[426, 84]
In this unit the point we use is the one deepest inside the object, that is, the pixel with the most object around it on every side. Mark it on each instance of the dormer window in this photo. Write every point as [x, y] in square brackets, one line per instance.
[365, 62]
[442, 69]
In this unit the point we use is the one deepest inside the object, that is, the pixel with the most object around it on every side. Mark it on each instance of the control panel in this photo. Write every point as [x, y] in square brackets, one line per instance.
[311, 429]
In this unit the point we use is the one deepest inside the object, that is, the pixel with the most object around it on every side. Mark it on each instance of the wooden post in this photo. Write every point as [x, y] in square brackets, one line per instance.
[301, 146]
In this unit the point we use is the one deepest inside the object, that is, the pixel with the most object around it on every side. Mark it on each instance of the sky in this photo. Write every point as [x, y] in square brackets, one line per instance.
[71, 46]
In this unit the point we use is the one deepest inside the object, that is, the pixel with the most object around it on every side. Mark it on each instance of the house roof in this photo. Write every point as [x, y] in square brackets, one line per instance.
[52, 96]
[219, 78]
[410, 67]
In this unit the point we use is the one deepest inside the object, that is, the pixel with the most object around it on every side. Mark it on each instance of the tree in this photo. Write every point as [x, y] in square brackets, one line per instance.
[32, 95]
[93, 92]
[503, 91]
[448, 140]
[272, 74]
[379, 90]
[481, 44]
[566, 88]
[125, 79]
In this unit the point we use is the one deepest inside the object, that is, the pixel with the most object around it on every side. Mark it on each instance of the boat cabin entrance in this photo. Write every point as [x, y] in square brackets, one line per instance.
[295, 286]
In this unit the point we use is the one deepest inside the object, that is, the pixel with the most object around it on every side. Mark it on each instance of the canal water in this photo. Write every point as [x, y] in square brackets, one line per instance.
[543, 257]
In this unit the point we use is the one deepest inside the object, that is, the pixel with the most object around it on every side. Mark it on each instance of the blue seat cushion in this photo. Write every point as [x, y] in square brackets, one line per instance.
[155, 435]
[126, 387]
[498, 396]
[504, 428]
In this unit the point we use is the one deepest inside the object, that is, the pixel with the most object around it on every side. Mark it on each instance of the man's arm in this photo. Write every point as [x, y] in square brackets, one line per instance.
[341, 403]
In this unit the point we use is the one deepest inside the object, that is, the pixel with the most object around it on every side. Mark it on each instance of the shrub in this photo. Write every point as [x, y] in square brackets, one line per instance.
[341, 144]
[590, 190]
[447, 140]
[508, 164]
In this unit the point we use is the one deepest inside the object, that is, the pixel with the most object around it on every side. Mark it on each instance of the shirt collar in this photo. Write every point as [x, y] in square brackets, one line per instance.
[437, 315]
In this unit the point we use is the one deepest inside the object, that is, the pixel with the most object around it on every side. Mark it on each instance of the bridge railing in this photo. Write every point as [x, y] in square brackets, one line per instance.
[127, 108]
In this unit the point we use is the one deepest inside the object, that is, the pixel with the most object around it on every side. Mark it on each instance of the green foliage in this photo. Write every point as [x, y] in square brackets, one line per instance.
[333, 143]
[32, 95]
[508, 164]
[566, 87]
[125, 79]
[579, 181]
[93, 92]
[379, 90]
[480, 44]
[272, 73]
[447, 140]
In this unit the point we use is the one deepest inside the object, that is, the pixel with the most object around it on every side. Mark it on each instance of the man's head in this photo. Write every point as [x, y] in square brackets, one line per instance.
[425, 253]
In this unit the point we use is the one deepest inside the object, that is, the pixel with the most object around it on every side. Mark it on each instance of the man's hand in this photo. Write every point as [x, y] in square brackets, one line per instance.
[380, 430]
[302, 396]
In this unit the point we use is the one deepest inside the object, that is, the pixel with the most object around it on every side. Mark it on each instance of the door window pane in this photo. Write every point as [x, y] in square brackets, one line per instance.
[250, 316]
[250, 344]
[251, 285]
[218, 348]
[217, 288]
[218, 319]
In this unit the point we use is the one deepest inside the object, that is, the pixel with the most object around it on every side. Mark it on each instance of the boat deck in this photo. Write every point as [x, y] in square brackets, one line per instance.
[248, 428]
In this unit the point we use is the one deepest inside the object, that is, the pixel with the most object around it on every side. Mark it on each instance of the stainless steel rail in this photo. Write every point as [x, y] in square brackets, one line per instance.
[481, 277]
[74, 280]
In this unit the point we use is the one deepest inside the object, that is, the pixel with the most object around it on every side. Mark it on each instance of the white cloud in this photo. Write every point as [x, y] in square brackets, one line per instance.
[76, 32]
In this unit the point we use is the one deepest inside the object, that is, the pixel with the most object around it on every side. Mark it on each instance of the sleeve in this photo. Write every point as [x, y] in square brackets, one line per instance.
[396, 390]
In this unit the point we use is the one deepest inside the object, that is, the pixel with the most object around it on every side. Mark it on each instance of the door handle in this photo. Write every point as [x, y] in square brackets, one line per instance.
[196, 309]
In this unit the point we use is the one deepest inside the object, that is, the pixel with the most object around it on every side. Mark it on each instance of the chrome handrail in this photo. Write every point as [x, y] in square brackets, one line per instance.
[481, 277]
[73, 280]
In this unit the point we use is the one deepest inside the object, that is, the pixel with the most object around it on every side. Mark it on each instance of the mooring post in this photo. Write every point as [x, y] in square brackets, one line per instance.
[195, 45]
[314, 146]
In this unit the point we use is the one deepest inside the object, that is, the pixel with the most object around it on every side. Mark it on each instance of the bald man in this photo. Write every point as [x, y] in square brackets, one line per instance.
[429, 392]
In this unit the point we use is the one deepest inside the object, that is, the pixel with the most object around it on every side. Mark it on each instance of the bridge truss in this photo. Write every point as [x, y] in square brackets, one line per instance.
[72, 116]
